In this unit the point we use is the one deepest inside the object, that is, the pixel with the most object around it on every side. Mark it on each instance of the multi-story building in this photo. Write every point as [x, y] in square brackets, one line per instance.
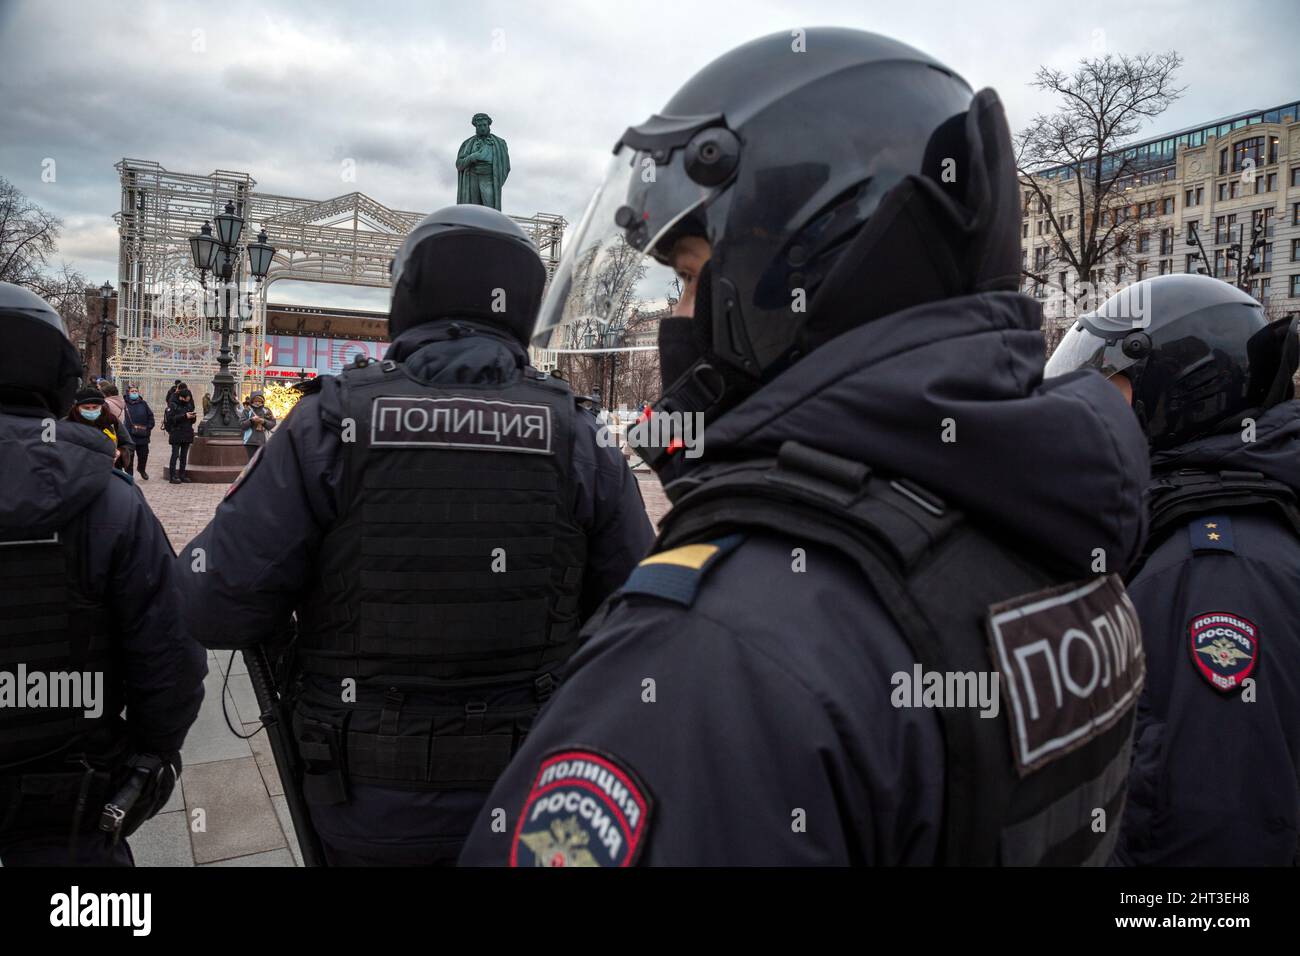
[1220, 178]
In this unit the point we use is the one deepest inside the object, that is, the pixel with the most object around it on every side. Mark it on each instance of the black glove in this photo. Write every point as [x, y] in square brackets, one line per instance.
[142, 787]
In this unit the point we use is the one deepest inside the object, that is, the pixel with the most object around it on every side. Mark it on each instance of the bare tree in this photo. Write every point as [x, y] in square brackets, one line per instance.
[28, 237]
[1103, 103]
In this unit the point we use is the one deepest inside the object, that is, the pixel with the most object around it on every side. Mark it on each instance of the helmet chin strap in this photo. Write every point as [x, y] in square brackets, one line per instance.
[707, 386]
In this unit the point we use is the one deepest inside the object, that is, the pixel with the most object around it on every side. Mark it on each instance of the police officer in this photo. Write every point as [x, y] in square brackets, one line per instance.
[1216, 769]
[442, 522]
[88, 605]
[880, 495]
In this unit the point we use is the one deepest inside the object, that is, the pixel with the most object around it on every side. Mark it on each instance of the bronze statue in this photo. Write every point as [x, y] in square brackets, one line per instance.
[482, 165]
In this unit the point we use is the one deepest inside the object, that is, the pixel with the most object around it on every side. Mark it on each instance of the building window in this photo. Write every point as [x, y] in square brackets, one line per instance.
[1223, 228]
[1141, 270]
[1167, 206]
[1295, 214]
[1193, 260]
[1166, 241]
[1194, 197]
[1144, 242]
[1295, 286]
[1024, 230]
[1266, 257]
[1295, 175]
[1219, 262]
[1248, 151]
[1191, 231]
[1166, 266]
[1295, 250]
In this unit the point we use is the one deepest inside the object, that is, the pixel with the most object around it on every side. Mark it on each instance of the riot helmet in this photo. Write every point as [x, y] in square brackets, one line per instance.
[468, 262]
[1199, 353]
[38, 364]
[835, 182]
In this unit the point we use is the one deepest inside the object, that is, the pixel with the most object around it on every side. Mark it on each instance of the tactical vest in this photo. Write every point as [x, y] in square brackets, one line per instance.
[1024, 787]
[449, 587]
[1175, 498]
[56, 647]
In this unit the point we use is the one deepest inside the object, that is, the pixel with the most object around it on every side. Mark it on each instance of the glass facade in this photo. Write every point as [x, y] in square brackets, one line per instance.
[1160, 152]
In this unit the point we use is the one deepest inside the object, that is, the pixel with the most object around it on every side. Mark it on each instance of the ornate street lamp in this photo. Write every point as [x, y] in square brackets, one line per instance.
[105, 293]
[219, 255]
[204, 249]
[229, 226]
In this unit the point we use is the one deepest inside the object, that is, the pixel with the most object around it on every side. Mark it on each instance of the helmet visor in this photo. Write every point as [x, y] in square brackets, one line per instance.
[616, 266]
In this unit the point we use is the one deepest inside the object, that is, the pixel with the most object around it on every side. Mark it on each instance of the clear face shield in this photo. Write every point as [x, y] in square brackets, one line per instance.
[615, 270]
[1110, 340]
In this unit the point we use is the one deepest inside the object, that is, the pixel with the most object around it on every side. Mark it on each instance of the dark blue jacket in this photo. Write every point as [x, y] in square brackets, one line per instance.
[771, 738]
[138, 419]
[1216, 777]
[128, 564]
[260, 550]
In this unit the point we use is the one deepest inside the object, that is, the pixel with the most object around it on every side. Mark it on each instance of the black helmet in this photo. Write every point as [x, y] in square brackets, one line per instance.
[467, 262]
[37, 361]
[1199, 353]
[855, 179]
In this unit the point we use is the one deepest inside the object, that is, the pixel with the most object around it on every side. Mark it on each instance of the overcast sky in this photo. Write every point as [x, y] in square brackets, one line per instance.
[288, 89]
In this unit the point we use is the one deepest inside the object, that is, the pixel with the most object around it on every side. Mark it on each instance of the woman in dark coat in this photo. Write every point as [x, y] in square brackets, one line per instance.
[138, 418]
[89, 408]
[179, 423]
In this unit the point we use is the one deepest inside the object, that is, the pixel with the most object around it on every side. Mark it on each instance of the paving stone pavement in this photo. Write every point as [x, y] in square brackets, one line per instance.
[230, 808]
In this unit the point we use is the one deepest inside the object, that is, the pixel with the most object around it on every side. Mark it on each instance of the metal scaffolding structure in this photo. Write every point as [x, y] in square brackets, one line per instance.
[163, 334]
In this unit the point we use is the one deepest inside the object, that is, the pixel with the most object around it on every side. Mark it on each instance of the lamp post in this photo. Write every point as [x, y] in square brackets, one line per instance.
[219, 254]
[613, 338]
[105, 294]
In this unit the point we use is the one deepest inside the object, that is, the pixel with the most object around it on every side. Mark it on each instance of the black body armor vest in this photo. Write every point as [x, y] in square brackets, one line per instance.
[50, 627]
[1024, 787]
[449, 588]
[56, 646]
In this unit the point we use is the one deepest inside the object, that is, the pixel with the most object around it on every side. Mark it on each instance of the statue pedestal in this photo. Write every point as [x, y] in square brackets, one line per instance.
[216, 460]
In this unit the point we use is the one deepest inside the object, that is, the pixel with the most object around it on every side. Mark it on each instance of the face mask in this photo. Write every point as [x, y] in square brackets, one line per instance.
[679, 348]
[91, 414]
[133, 395]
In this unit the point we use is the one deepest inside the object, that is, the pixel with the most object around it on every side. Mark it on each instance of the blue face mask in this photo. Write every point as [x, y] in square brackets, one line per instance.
[90, 414]
[133, 395]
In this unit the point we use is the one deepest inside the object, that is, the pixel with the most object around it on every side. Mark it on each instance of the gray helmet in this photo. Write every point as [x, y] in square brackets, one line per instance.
[37, 363]
[469, 262]
[1199, 353]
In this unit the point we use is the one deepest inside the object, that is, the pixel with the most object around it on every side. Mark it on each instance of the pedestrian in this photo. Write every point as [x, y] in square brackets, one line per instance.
[87, 587]
[258, 421]
[207, 403]
[171, 391]
[91, 408]
[455, 518]
[1209, 379]
[883, 503]
[113, 400]
[139, 420]
[180, 432]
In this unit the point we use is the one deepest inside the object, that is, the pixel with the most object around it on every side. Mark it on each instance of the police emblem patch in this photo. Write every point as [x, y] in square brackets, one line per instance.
[1225, 648]
[584, 809]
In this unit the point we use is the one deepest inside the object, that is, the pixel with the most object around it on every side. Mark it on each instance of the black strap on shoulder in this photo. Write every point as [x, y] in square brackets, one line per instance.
[1179, 496]
[886, 526]
[935, 574]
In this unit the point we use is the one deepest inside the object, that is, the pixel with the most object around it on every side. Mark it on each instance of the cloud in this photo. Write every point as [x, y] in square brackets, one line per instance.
[286, 90]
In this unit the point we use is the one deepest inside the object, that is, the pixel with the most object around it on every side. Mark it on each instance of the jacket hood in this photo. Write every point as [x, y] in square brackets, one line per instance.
[1275, 452]
[458, 352]
[950, 394]
[47, 482]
